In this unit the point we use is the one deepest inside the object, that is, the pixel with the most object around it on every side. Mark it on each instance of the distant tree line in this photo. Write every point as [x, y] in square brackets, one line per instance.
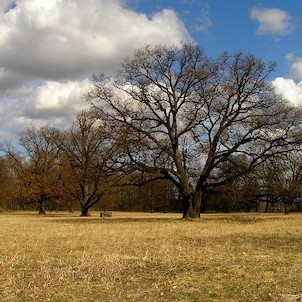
[175, 130]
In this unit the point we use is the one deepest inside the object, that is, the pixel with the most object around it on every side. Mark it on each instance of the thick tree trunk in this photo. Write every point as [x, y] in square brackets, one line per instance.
[191, 206]
[85, 212]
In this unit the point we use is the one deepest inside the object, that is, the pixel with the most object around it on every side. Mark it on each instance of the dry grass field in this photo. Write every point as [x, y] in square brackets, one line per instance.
[150, 257]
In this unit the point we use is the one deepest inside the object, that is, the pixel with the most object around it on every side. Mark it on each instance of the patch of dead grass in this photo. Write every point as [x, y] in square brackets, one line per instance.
[150, 258]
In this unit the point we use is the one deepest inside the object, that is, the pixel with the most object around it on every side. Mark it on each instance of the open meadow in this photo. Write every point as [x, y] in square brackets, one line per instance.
[150, 257]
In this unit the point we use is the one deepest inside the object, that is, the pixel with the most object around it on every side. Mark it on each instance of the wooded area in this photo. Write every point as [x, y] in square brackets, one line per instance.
[175, 130]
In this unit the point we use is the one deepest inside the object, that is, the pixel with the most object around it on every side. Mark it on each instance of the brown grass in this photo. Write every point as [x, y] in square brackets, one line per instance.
[150, 257]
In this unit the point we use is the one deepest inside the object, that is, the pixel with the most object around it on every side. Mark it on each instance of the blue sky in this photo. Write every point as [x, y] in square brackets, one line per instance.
[219, 26]
[50, 48]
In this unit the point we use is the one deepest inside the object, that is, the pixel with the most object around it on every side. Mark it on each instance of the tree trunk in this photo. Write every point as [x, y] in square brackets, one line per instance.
[41, 209]
[286, 209]
[70, 207]
[203, 205]
[191, 206]
[84, 202]
[85, 212]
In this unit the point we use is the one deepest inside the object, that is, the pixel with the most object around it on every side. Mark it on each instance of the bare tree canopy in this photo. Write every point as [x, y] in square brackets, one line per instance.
[184, 115]
[282, 178]
[87, 155]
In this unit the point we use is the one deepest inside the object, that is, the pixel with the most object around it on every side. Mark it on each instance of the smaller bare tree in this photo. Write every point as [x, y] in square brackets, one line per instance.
[283, 179]
[86, 158]
[35, 167]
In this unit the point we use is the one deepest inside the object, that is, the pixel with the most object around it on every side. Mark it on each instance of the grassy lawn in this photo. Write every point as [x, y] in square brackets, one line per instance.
[150, 257]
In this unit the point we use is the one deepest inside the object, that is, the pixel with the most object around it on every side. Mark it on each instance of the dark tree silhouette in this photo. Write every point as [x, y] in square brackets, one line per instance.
[185, 115]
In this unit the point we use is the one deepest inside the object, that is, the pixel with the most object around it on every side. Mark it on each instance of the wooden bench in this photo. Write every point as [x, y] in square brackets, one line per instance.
[104, 214]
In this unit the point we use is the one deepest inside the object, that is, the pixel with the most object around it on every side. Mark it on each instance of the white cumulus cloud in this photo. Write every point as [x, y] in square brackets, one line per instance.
[289, 89]
[60, 39]
[272, 21]
[52, 103]
[295, 65]
[49, 48]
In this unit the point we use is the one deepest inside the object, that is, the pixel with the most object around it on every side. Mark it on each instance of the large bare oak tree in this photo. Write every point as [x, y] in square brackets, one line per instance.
[184, 116]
